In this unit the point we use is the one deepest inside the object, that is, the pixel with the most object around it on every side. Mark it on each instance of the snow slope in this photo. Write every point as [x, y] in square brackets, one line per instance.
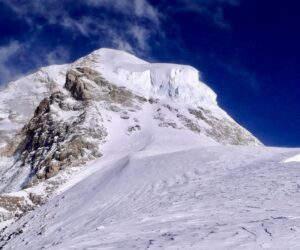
[212, 197]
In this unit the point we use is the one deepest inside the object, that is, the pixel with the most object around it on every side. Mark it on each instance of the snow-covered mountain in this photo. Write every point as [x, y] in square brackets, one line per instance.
[69, 114]
[167, 82]
[114, 143]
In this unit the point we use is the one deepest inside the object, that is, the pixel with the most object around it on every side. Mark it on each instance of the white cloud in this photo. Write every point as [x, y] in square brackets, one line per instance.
[15, 49]
[210, 9]
[122, 45]
[141, 36]
[6, 52]
[129, 28]
[128, 25]
[83, 25]
[144, 9]
[57, 56]
[130, 34]
[138, 8]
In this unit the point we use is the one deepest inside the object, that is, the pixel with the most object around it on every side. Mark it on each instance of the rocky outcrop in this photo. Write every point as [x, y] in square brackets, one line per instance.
[13, 206]
[202, 121]
[86, 84]
[80, 89]
[67, 127]
[224, 130]
[58, 136]
[60, 133]
[66, 131]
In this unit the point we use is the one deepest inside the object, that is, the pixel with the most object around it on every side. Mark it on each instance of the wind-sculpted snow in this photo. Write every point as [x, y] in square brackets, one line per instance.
[295, 158]
[178, 82]
[201, 198]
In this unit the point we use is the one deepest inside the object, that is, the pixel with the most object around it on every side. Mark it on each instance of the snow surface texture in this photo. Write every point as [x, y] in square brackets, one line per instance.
[212, 197]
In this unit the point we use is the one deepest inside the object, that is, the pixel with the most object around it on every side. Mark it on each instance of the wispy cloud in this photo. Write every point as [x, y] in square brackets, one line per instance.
[212, 10]
[57, 56]
[138, 8]
[6, 52]
[243, 76]
[130, 26]
[127, 25]
[15, 54]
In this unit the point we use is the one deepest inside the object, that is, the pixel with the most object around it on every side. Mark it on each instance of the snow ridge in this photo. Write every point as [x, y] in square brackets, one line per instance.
[178, 82]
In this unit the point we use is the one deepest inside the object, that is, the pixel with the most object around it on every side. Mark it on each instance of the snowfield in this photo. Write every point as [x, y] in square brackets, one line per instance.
[212, 197]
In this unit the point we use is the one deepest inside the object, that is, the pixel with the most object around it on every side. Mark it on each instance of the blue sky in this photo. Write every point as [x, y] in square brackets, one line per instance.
[246, 50]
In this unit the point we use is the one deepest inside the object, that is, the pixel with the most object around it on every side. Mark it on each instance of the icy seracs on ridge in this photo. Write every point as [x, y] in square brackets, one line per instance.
[164, 80]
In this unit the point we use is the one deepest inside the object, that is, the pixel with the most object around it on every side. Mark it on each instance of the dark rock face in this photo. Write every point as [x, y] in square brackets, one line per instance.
[223, 130]
[60, 135]
[86, 84]
[66, 131]
[78, 88]
[53, 142]
[14, 205]
[67, 127]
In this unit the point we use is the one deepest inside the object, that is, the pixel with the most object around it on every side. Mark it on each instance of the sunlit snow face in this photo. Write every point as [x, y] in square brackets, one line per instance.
[178, 82]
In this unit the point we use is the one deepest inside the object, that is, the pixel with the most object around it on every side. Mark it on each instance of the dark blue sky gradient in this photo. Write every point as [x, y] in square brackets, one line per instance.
[247, 50]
